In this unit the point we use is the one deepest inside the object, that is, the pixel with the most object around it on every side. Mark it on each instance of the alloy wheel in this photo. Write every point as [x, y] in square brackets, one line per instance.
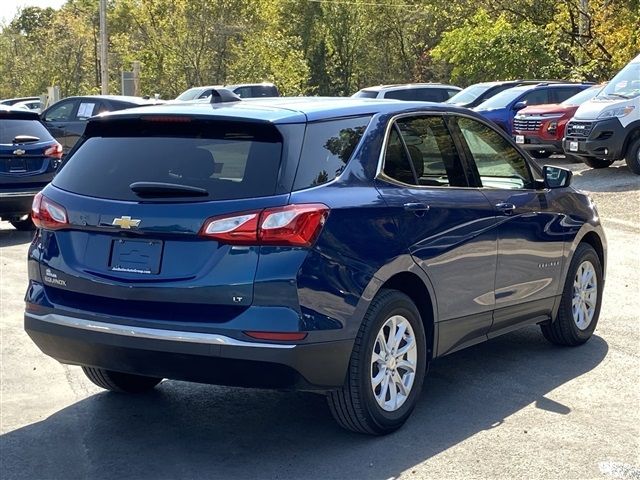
[585, 295]
[393, 363]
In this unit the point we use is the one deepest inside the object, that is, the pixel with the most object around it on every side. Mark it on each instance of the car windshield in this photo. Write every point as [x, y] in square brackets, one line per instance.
[502, 99]
[581, 97]
[626, 84]
[365, 94]
[190, 94]
[469, 94]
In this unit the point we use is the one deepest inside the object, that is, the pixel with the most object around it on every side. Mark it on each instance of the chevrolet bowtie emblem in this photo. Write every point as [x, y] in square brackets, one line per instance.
[19, 151]
[125, 222]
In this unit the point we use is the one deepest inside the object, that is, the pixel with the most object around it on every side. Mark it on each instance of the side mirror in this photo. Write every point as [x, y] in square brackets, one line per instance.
[556, 177]
[519, 106]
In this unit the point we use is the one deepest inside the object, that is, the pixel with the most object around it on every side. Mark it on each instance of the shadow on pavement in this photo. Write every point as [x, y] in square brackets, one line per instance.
[9, 238]
[197, 431]
[616, 178]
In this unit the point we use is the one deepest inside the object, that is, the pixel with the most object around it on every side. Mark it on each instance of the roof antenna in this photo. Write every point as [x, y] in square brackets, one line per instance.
[222, 95]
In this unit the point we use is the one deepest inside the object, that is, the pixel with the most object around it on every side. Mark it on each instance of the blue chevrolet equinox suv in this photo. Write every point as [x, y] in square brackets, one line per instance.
[328, 245]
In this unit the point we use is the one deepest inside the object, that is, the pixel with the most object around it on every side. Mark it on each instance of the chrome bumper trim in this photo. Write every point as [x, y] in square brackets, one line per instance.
[151, 333]
[18, 194]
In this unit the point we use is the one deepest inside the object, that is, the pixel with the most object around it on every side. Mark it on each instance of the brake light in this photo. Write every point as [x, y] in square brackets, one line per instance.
[291, 225]
[46, 213]
[54, 151]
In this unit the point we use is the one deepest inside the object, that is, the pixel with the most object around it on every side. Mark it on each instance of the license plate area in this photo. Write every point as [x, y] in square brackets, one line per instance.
[136, 256]
[573, 146]
[17, 165]
[520, 139]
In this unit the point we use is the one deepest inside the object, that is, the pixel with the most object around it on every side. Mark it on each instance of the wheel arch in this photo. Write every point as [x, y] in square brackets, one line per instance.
[634, 134]
[593, 239]
[413, 286]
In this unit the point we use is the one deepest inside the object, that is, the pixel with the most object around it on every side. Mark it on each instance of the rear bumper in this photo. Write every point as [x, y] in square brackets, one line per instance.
[15, 204]
[191, 356]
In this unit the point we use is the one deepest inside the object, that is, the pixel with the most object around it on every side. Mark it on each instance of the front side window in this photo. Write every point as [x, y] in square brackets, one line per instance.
[327, 148]
[499, 164]
[420, 151]
[61, 112]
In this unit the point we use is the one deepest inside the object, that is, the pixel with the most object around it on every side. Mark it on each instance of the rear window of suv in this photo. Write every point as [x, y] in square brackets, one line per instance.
[10, 129]
[229, 160]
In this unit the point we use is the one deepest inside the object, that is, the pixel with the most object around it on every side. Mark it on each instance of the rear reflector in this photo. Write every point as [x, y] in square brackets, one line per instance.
[46, 213]
[291, 225]
[278, 336]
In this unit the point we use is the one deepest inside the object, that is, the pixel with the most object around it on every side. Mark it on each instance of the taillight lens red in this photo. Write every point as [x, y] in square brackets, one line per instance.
[54, 151]
[46, 213]
[291, 225]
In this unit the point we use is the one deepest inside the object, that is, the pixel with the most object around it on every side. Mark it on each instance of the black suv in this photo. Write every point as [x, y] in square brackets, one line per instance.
[29, 156]
[67, 119]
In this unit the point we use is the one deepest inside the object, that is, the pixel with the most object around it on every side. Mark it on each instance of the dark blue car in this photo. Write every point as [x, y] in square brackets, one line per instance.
[328, 245]
[502, 108]
[29, 157]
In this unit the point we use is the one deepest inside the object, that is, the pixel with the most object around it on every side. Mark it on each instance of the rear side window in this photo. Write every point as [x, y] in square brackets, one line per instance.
[10, 129]
[418, 94]
[264, 91]
[228, 160]
[426, 142]
[326, 150]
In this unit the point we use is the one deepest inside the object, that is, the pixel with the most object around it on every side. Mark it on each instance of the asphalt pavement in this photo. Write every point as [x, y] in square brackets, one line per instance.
[512, 408]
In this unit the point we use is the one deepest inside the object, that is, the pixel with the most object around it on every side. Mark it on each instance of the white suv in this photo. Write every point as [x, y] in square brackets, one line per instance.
[421, 92]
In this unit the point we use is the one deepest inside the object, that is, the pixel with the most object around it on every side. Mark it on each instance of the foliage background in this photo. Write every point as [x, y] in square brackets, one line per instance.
[324, 47]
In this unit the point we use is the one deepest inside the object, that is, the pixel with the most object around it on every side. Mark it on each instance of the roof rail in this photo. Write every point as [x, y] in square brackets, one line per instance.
[222, 95]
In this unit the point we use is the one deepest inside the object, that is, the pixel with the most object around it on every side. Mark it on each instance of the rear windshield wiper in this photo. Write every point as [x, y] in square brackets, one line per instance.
[25, 139]
[160, 189]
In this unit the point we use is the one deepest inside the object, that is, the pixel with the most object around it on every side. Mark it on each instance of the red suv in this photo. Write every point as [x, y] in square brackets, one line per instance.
[539, 129]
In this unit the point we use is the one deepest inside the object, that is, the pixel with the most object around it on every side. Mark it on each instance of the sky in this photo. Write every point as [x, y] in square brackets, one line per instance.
[8, 8]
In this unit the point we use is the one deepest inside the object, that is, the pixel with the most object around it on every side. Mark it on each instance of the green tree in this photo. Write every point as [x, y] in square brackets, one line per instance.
[496, 49]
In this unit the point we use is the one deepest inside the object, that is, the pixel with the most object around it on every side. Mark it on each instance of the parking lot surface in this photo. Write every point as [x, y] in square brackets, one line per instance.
[514, 407]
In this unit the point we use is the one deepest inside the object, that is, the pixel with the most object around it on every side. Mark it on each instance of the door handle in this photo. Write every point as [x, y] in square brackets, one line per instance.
[416, 207]
[506, 208]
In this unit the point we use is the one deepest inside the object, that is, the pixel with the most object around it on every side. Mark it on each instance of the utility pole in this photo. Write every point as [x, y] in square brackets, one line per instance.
[104, 49]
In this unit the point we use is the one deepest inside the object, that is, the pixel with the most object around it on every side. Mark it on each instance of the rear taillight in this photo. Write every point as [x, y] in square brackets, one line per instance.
[291, 225]
[54, 151]
[46, 213]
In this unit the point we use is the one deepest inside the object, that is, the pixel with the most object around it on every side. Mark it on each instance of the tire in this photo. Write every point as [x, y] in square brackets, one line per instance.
[632, 157]
[23, 225]
[568, 328]
[573, 158]
[596, 162]
[355, 406]
[120, 382]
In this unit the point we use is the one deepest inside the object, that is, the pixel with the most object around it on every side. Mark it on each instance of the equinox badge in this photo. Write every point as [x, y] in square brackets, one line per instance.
[125, 222]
